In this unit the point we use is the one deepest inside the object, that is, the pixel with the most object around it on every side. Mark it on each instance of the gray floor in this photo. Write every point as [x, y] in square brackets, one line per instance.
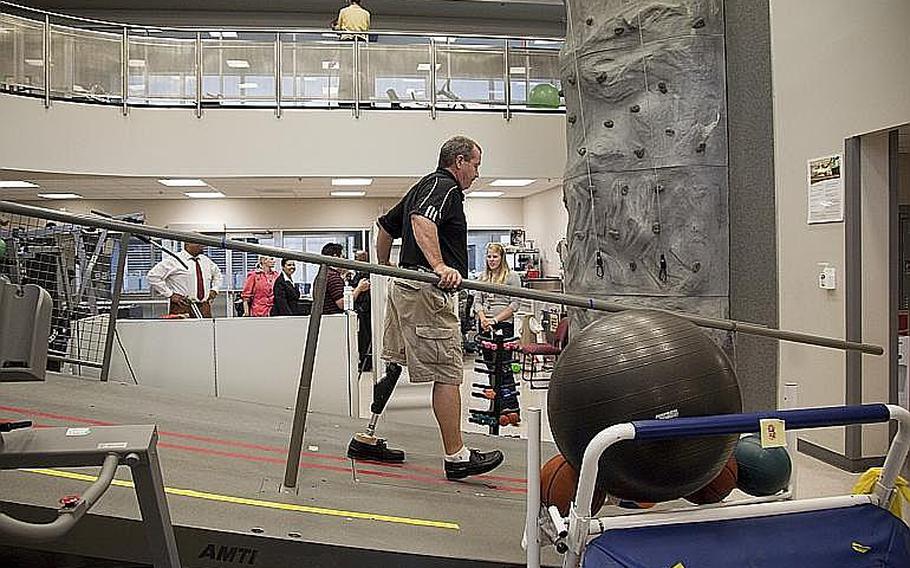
[238, 449]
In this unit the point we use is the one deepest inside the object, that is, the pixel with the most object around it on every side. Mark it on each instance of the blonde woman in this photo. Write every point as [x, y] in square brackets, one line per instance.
[495, 311]
[258, 290]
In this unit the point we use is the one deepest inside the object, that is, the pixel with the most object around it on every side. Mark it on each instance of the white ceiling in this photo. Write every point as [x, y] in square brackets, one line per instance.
[118, 187]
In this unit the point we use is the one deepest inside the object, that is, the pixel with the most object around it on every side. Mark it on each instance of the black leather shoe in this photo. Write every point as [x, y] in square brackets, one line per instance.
[479, 462]
[379, 451]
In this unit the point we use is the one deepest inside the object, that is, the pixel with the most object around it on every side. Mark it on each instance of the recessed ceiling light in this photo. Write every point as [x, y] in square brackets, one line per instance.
[511, 182]
[223, 35]
[348, 193]
[59, 196]
[330, 65]
[204, 194]
[16, 184]
[517, 70]
[35, 62]
[426, 66]
[328, 35]
[137, 62]
[485, 194]
[182, 182]
[547, 42]
[248, 86]
[237, 63]
[352, 181]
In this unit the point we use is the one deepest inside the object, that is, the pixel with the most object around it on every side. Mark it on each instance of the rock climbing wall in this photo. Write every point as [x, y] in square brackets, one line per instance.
[646, 178]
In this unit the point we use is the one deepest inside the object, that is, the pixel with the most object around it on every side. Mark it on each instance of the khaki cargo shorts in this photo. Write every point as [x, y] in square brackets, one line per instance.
[422, 332]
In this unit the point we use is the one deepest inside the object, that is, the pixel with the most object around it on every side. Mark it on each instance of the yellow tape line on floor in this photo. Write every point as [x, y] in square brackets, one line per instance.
[265, 504]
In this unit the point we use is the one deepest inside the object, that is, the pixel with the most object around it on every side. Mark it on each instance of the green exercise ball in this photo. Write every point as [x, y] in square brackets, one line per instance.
[544, 95]
[761, 471]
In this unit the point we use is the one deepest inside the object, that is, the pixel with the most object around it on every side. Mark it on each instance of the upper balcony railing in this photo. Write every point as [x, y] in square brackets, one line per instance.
[131, 66]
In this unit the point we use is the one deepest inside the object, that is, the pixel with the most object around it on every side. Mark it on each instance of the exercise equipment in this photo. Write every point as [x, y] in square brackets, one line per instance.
[558, 484]
[497, 360]
[719, 487]
[25, 325]
[762, 471]
[544, 95]
[640, 365]
[843, 530]
[366, 445]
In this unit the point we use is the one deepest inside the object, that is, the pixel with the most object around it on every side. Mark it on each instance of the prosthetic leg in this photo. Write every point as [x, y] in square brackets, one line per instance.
[365, 445]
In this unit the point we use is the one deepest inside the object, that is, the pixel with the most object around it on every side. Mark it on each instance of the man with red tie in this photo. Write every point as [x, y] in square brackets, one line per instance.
[187, 278]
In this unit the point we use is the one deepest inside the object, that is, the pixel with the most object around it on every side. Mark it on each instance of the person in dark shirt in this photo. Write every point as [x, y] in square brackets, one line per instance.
[363, 307]
[422, 330]
[287, 298]
[334, 283]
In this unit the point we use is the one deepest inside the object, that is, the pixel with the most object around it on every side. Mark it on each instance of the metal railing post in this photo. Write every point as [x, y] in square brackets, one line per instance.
[278, 59]
[46, 52]
[125, 71]
[433, 78]
[507, 79]
[306, 379]
[115, 306]
[198, 74]
[355, 65]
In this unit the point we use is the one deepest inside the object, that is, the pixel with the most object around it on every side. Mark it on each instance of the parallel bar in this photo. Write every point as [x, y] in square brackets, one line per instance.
[355, 80]
[115, 307]
[552, 297]
[532, 515]
[306, 379]
[71, 361]
[853, 286]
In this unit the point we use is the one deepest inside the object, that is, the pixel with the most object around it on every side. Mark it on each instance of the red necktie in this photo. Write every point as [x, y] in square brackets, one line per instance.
[200, 285]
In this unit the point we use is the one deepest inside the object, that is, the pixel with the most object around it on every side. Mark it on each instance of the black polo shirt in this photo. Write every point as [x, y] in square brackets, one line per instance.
[439, 198]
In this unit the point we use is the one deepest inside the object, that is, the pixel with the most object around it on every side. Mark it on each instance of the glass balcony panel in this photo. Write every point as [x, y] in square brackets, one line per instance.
[85, 64]
[162, 71]
[532, 63]
[316, 71]
[21, 54]
[238, 71]
[469, 75]
[395, 72]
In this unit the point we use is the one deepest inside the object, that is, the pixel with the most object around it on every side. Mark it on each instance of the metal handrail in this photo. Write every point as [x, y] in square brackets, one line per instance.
[384, 270]
[271, 29]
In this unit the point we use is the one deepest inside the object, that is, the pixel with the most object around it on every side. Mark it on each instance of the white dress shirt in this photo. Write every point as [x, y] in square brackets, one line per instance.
[168, 277]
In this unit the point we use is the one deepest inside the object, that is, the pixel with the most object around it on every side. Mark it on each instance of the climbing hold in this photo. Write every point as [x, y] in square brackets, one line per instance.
[696, 266]
[632, 266]
[571, 119]
[699, 23]
[700, 148]
[614, 234]
[601, 77]
[635, 108]
[658, 188]
[589, 21]
[582, 151]
[608, 123]
[655, 228]
[662, 87]
[662, 274]
[624, 190]
[618, 31]
[639, 153]
[571, 79]
[670, 132]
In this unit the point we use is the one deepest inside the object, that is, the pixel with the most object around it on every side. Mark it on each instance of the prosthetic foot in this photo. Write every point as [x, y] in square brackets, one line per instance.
[366, 445]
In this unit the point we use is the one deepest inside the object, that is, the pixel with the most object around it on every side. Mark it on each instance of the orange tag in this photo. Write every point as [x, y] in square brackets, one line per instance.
[773, 433]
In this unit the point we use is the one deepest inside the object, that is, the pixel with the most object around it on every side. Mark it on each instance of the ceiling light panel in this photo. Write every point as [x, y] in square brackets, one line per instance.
[351, 181]
[511, 182]
[59, 196]
[17, 185]
[237, 63]
[485, 194]
[204, 194]
[348, 193]
[183, 182]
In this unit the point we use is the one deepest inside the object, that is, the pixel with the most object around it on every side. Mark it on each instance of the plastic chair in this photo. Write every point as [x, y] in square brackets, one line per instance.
[545, 355]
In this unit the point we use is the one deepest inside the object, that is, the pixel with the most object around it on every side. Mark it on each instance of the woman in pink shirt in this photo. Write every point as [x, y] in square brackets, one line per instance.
[258, 295]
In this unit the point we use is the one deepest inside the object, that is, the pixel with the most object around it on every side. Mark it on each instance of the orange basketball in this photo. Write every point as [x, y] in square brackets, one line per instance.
[720, 486]
[558, 482]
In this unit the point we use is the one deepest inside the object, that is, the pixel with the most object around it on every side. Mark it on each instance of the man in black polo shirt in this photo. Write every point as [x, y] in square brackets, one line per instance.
[422, 330]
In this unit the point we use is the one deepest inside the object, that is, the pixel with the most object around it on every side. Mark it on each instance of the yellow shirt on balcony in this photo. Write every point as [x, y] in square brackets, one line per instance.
[353, 18]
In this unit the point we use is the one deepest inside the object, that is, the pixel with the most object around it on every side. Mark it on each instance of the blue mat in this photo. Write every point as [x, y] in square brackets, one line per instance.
[864, 536]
